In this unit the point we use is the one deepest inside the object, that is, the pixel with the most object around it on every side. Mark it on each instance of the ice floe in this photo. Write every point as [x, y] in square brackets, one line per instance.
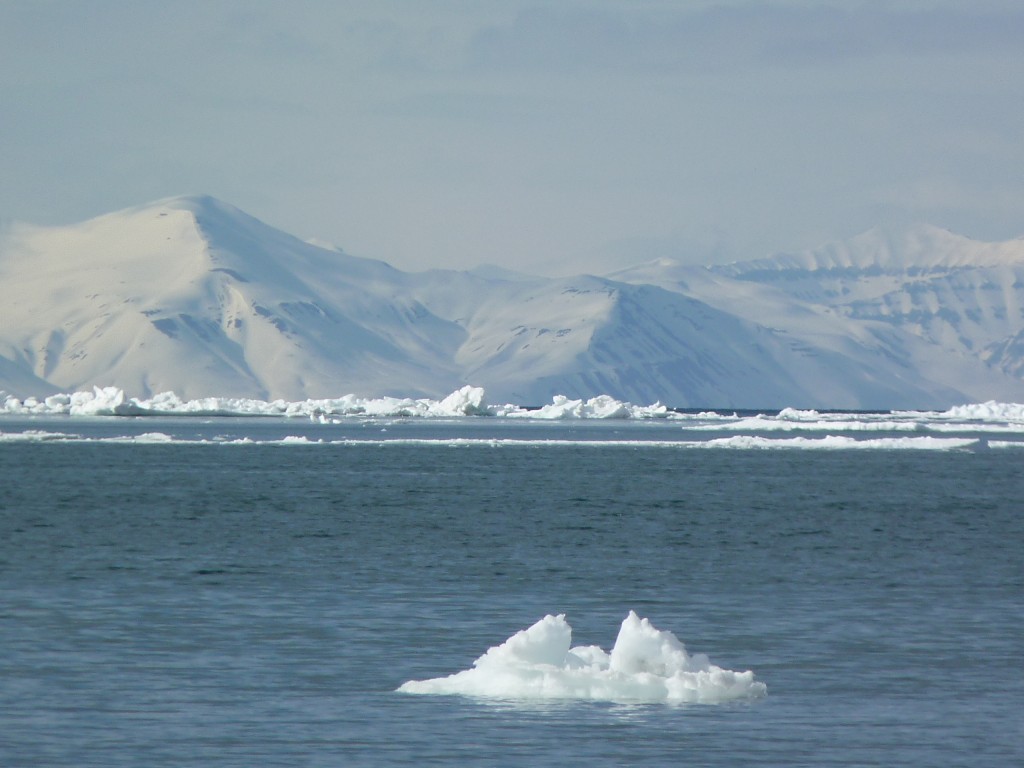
[645, 665]
[736, 442]
[36, 436]
[841, 442]
[990, 411]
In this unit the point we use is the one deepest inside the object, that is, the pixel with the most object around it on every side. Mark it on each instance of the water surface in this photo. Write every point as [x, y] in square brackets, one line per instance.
[206, 604]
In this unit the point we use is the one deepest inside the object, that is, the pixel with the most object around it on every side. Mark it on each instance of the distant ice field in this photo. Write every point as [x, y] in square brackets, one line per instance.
[465, 419]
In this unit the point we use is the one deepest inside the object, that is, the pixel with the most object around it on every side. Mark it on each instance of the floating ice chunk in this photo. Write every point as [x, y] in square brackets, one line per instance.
[153, 437]
[146, 438]
[468, 401]
[645, 665]
[600, 407]
[990, 411]
[35, 436]
[862, 423]
[103, 401]
[841, 442]
[795, 414]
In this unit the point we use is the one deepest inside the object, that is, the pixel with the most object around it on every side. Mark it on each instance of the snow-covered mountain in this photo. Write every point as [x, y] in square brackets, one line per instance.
[936, 309]
[192, 295]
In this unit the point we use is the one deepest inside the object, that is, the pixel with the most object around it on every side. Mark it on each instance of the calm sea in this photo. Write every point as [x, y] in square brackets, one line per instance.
[258, 604]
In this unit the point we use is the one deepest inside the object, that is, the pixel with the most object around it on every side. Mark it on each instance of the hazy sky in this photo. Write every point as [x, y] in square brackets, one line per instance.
[548, 136]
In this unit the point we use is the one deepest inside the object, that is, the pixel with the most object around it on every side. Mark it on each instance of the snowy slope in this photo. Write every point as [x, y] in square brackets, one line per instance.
[586, 335]
[954, 304]
[192, 295]
[936, 310]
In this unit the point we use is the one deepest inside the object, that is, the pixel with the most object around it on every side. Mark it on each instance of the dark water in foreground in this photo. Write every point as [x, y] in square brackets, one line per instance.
[257, 605]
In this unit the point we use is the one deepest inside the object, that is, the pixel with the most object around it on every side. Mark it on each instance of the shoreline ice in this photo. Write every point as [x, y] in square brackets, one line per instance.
[971, 428]
[471, 401]
[467, 401]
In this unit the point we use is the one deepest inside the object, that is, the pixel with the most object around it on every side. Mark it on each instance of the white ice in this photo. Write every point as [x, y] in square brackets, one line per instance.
[980, 417]
[841, 442]
[960, 426]
[600, 407]
[467, 401]
[990, 411]
[645, 665]
[35, 436]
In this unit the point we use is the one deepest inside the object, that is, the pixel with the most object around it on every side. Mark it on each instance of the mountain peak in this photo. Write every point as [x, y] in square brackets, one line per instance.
[198, 204]
[209, 212]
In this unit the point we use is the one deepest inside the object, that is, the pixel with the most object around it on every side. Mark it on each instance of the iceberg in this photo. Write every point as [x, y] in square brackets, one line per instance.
[989, 411]
[645, 665]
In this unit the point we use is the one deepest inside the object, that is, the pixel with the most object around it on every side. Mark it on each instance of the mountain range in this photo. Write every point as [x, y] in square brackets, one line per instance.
[192, 295]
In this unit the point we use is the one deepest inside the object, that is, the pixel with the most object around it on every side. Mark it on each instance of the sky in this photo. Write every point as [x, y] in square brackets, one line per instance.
[549, 137]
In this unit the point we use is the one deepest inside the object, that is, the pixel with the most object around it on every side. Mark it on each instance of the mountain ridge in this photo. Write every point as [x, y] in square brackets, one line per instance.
[915, 248]
[194, 295]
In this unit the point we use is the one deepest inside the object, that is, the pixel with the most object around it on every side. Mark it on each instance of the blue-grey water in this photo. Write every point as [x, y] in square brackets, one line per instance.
[257, 605]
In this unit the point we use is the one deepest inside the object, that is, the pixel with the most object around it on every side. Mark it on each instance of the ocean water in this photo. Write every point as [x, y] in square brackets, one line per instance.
[182, 601]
